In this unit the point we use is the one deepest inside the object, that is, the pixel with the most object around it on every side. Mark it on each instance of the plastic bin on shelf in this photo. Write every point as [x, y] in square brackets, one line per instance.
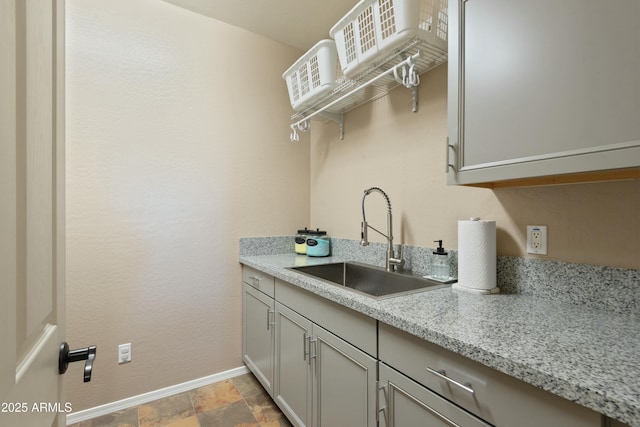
[313, 75]
[373, 28]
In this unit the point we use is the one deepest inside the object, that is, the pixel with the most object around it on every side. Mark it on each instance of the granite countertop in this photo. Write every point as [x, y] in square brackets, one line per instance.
[584, 354]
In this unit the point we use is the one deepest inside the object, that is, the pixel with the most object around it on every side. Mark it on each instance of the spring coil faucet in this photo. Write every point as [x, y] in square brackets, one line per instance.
[391, 262]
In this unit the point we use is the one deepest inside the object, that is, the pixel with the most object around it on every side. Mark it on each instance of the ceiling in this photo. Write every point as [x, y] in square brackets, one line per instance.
[298, 23]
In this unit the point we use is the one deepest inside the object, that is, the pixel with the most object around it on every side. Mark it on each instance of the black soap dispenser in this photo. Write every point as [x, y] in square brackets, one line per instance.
[440, 263]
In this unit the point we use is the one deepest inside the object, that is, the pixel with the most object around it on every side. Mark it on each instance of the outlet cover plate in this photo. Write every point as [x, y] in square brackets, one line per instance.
[124, 353]
[537, 239]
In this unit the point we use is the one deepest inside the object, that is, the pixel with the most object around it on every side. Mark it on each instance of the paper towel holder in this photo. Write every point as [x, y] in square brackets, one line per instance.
[464, 280]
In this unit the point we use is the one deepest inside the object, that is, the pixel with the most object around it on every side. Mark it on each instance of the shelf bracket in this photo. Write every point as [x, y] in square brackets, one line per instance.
[338, 118]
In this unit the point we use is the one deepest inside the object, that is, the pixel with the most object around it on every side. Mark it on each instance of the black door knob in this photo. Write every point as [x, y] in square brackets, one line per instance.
[68, 356]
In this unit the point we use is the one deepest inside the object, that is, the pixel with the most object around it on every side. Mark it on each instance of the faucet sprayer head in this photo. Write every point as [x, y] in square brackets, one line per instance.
[363, 233]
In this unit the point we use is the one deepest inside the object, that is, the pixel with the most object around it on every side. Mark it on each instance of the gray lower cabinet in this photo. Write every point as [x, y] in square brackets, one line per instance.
[316, 377]
[326, 365]
[405, 403]
[258, 334]
[321, 380]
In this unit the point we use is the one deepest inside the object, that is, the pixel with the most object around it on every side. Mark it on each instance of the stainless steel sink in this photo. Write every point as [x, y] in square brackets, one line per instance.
[367, 279]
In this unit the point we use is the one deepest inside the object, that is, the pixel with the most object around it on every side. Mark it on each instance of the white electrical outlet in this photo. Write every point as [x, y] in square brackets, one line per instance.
[124, 353]
[537, 239]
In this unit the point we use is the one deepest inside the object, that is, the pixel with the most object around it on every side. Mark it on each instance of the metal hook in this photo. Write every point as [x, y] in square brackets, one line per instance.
[413, 79]
[396, 76]
[293, 136]
[304, 126]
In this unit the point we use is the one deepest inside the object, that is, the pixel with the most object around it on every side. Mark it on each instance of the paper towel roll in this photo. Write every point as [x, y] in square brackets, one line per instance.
[477, 256]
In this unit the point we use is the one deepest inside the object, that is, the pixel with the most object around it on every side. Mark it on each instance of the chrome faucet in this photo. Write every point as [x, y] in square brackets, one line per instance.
[391, 263]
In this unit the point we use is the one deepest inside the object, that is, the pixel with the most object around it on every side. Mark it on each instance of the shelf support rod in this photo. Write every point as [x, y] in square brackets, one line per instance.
[409, 61]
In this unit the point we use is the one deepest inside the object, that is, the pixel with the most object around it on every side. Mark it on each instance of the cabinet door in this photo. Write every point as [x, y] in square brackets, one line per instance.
[409, 404]
[543, 87]
[293, 366]
[344, 383]
[258, 335]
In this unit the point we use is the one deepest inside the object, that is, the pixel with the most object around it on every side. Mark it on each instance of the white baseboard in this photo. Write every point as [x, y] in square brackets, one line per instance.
[97, 411]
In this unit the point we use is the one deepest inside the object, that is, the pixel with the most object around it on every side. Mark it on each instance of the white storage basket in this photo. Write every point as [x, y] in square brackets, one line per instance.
[373, 28]
[313, 75]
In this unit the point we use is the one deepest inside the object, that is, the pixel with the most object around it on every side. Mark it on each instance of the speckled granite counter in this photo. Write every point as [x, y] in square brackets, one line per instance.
[584, 354]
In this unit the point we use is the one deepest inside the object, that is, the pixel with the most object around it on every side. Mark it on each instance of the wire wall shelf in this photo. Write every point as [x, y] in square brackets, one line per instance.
[401, 67]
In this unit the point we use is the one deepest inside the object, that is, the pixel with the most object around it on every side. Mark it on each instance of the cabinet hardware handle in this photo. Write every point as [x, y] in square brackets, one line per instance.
[449, 164]
[315, 349]
[255, 280]
[273, 321]
[304, 345]
[382, 409]
[378, 401]
[268, 310]
[270, 322]
[443, 375]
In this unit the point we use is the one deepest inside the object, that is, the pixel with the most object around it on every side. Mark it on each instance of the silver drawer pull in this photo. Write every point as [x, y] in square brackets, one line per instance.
[443, 376]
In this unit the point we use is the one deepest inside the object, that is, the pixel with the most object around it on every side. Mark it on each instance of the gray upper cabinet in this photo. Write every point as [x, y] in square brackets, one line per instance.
[543, 88]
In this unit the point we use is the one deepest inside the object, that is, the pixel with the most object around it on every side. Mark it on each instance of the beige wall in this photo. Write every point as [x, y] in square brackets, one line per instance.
[177, 145]
[387, 145]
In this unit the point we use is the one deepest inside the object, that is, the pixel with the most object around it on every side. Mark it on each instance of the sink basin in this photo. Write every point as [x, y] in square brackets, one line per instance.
[367, 279]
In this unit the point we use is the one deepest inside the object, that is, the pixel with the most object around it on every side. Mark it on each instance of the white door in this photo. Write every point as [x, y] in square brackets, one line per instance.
[31, 212]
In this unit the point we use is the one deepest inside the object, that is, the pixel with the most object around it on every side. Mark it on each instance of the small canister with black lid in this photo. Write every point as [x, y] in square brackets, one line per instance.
[318, 243]
[301, 241]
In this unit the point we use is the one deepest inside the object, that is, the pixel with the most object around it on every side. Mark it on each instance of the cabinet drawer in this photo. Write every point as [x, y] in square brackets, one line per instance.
[258, 280]
[353, 327]
[493, 396]
[408, 404]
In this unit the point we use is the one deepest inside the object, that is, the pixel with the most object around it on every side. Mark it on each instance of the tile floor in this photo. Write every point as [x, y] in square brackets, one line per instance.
[237, 402]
